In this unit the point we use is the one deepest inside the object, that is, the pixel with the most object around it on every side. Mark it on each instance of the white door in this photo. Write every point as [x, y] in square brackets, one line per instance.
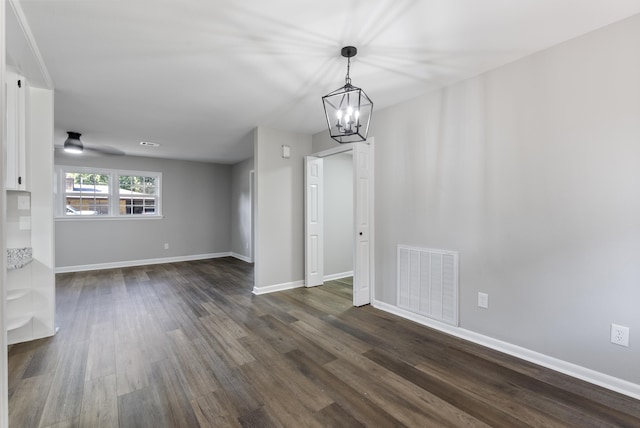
[314, 229]
[363, 212]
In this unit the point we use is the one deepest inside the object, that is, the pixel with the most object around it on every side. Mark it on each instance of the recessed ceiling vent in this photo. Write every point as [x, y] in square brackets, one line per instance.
[149, 144]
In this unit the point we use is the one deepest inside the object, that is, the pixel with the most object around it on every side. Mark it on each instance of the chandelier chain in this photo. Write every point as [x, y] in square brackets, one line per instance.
[347, 79]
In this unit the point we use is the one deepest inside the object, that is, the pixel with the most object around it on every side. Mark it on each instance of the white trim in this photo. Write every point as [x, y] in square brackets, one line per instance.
[130, 263]
[334, 150]
[252, 198]
[136, 217]
[241, 257]
[335, 276]
[372, 220]
[277, 287]
[606, 381]
[31, 41]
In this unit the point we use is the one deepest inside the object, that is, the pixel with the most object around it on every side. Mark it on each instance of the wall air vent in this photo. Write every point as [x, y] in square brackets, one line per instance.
[428, 283]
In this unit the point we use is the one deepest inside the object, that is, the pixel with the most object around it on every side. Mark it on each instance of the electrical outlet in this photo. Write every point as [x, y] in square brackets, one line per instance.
[166, 246]
[483, 300]
[619, 335]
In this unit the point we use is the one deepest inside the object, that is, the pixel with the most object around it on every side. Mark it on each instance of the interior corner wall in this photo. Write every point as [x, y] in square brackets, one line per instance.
[195, 207]
[338, 214]
[279, 257]
[241, 207]
[532, 173]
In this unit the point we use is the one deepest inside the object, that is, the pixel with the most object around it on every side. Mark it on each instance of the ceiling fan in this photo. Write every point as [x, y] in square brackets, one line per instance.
[73, 145]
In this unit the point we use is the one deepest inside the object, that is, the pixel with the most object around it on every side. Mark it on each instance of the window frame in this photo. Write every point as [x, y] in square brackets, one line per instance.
[60, 193]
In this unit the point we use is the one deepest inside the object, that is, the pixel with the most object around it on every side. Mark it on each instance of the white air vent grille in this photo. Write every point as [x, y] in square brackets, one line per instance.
[428, 283]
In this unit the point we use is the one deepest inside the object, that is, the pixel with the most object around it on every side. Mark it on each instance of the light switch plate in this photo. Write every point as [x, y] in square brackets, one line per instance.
[483, 300]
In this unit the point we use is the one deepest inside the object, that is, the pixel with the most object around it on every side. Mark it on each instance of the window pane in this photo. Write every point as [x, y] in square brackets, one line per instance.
[86, 194]
[137, 194]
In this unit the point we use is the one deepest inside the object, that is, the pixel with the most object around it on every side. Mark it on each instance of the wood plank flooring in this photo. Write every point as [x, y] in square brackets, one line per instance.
[188, 345]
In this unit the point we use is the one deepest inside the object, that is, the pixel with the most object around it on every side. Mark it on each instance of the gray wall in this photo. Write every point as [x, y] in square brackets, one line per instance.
[279, 242]
[241, 207]
[532, 173]
[321, 141]
[338, 214]
[195, 205]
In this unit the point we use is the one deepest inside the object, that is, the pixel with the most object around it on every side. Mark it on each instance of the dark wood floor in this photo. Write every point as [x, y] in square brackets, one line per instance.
[187, 345]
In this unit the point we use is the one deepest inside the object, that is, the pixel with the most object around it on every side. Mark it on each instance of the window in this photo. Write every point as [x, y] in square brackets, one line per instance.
[86, 193]
[101, 193]
[137, 194]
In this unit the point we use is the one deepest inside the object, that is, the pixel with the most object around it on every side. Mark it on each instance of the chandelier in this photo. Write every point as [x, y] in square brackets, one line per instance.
[348, 109]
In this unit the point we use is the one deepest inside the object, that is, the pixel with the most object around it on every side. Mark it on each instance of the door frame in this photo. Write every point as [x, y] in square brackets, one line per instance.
[356, 190]
[252, 198]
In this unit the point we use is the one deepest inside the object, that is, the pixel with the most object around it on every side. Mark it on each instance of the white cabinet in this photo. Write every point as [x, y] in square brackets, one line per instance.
[16, 149]
[29, 309]
[19, 304]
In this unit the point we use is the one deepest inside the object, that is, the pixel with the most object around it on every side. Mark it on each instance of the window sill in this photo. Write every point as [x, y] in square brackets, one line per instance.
[109, 217]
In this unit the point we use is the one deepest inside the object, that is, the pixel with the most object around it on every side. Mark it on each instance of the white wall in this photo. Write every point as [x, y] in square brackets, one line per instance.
[338, 214]
[195, 206]
[532, 173]
[279, 253]
[241, 207]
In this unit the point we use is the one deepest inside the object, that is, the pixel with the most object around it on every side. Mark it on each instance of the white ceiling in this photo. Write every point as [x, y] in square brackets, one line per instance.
[196, 76]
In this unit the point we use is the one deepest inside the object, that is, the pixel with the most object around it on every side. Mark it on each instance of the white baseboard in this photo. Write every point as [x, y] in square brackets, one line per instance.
[606, 381]
[130, 263]
[335, 276]
[241, 257]
[277, 287]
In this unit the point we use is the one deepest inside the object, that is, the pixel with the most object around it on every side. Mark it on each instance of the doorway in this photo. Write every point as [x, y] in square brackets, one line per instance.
[338, 216]
[361, 232]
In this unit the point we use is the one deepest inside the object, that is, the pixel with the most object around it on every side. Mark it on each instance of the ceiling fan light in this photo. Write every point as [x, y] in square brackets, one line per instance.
[73, 144]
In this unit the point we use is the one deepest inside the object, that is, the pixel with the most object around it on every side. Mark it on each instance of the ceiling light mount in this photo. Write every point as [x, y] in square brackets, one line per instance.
[73, 144]
[349, 51]
[348, 109]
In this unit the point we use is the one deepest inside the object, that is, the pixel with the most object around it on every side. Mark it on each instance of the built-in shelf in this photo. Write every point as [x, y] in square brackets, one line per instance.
[16, 294]
[21, 321]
